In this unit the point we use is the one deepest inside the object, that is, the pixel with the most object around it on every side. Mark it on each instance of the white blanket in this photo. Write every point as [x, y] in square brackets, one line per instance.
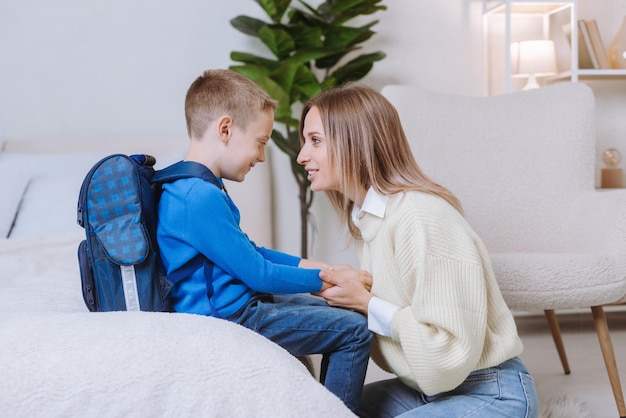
[41, 274]
[58, 360]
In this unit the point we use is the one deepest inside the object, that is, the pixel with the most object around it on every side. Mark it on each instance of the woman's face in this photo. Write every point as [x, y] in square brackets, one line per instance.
[314, 154]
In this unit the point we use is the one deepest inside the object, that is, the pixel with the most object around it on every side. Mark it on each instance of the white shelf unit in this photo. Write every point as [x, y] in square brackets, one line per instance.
[508, 21]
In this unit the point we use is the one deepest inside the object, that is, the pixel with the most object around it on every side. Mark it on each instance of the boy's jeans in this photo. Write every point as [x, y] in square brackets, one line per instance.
[503, 391]
[305, 325]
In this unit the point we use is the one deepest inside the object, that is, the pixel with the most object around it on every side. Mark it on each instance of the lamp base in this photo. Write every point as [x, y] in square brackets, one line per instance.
[611, 178]
[532, 83]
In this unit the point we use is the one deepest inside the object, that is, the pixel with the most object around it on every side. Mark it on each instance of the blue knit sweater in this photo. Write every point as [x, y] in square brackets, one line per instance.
[198, 222]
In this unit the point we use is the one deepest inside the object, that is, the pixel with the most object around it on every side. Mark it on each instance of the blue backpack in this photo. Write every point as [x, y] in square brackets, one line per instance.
[119, 260]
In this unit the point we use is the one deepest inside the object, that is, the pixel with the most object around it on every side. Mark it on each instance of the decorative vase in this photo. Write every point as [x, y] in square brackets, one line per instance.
[617, 49]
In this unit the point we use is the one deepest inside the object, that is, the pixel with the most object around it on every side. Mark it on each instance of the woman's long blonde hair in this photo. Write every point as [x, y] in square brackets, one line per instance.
[367, 147]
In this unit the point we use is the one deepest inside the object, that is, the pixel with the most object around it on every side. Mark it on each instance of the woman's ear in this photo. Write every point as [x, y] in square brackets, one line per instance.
[224, 126]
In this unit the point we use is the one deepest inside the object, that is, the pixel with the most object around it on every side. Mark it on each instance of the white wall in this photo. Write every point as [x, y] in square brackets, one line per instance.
[71, 69]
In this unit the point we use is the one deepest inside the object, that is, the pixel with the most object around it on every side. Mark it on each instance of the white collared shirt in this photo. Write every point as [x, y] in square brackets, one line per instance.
[379, 312]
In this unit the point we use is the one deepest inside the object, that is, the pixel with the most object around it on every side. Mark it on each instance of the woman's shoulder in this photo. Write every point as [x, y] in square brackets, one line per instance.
[433, 218]
[423, 210]
[423, 202]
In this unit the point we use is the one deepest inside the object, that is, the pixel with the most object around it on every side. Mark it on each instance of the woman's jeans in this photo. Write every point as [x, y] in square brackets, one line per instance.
[503, 391]
[305, 325]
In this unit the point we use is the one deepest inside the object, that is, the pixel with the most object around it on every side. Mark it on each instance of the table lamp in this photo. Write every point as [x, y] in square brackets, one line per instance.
[533, 59]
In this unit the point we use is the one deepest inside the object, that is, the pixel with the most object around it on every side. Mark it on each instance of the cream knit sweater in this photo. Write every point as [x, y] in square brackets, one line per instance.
[425, 258]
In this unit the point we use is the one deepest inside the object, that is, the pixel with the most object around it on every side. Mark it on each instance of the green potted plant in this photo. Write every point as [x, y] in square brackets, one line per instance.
[311, 48]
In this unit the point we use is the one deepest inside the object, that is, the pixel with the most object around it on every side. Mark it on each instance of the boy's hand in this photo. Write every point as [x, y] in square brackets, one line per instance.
[347, 288]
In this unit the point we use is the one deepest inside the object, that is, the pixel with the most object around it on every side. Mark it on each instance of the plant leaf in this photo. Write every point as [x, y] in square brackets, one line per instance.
[306, 55]
[305, 84]
[277, 40]
[288, 121]
[345, 36]
[277, 93]
[332, 60]
[261, 76]
[345, 10]
[285, 145]
[248, 25]
[284, 77]
[275, 9]
[254, 60]
[306, 36]
[357, 68]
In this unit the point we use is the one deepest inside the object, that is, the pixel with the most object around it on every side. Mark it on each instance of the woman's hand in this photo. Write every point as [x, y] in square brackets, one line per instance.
[365, 278]
[361, 276]
[349, 288]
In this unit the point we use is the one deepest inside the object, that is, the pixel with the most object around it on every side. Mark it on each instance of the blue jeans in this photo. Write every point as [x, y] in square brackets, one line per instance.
[305, 325]
[503, 391]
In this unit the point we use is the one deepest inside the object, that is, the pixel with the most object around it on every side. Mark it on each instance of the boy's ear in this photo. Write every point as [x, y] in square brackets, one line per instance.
[225, 126]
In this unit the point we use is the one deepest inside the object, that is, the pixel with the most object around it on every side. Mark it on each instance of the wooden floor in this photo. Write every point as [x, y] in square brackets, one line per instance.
[588, 380]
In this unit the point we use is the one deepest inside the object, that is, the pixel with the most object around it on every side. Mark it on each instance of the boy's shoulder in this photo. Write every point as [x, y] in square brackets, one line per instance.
[191, 189]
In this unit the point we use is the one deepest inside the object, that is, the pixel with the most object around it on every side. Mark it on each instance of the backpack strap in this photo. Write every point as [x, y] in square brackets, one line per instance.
[186, 169]
[183, 170]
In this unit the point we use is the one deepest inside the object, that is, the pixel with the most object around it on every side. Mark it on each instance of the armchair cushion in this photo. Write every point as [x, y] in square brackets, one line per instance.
[575, 279]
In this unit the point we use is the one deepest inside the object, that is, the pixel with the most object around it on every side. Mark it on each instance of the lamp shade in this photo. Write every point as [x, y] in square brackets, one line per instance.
[536, 58]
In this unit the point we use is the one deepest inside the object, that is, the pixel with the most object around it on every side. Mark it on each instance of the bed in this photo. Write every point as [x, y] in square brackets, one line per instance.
[57, 359]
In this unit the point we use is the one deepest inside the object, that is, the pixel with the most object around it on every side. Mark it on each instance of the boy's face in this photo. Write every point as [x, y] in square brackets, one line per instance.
[314, 154]
[247, 146]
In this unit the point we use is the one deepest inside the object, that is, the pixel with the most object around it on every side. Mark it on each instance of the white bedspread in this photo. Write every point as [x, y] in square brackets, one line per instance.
[59, 360]
[41, 274]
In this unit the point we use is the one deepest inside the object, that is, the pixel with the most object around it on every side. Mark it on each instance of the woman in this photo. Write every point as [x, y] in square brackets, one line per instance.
[440, 322]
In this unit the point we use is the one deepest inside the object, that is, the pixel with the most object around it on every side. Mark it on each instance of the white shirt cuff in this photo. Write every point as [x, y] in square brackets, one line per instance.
[380, 316]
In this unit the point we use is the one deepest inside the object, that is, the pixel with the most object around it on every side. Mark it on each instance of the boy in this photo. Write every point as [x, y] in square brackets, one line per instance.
[219, 272]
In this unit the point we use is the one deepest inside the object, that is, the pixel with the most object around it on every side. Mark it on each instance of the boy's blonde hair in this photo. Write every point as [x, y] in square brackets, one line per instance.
[223, 92]
[367, 147]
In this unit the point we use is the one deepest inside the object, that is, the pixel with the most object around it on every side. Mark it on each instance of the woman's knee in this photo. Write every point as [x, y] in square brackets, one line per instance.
[387, 398]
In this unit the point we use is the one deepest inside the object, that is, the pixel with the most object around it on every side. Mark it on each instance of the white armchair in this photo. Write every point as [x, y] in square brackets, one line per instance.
[523, 166]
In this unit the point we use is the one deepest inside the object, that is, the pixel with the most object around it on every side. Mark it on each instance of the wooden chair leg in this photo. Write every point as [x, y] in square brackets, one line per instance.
[602, 329]
[555, 330]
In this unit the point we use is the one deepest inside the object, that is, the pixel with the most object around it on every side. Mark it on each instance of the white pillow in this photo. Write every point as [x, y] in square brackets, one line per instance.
[13, 181]
[40, 274]
[48, 205]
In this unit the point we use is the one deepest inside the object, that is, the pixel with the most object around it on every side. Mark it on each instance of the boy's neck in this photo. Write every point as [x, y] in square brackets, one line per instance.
[200, 152]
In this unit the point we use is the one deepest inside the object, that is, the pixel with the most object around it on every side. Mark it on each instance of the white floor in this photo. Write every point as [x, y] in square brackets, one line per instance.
[588, 383]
